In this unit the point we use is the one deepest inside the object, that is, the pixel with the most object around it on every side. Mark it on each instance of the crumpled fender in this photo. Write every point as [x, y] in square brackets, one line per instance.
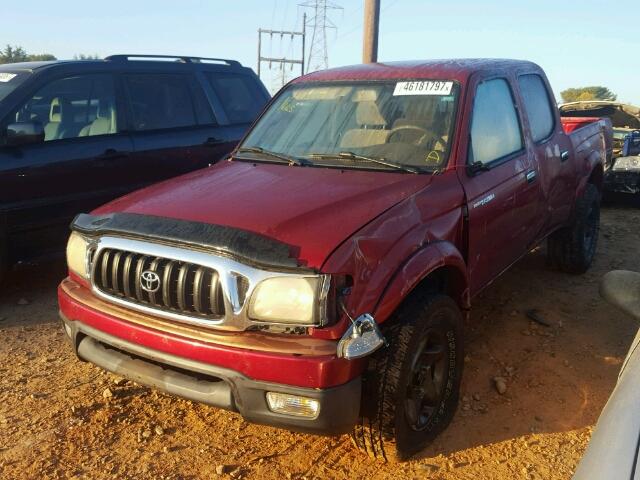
[421, 264]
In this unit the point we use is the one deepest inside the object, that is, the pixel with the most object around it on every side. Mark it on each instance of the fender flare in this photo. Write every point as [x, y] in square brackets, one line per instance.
[593, 163]
[424, 262]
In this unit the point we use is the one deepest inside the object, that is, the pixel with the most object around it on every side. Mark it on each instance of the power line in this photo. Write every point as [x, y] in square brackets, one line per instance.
[284, 61]
[318, 58]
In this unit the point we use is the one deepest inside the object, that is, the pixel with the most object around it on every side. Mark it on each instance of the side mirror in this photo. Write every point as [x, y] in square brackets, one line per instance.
[476, 167]
[24, 133]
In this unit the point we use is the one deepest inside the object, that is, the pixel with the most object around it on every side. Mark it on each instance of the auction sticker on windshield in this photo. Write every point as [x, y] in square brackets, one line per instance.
[7, 77]
[423, 88]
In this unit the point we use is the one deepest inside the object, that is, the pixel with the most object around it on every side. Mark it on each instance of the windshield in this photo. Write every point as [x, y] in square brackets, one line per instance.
[9, 81]
[353, 124]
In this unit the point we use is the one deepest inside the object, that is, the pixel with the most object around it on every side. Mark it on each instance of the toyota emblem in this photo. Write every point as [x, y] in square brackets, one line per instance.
[150, 281]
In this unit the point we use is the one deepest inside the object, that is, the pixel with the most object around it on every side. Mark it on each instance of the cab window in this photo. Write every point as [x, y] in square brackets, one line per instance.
[537, 105]
[495, 129]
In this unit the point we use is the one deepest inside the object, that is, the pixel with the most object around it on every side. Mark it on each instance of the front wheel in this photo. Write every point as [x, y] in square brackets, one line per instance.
[573, 248]
[411, 387]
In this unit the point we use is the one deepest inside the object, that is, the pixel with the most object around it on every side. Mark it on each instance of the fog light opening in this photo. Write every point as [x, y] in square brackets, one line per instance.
[293, 405]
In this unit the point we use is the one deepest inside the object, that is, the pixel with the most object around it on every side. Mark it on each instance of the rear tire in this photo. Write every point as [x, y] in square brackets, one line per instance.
[573, 248]
[411, 388]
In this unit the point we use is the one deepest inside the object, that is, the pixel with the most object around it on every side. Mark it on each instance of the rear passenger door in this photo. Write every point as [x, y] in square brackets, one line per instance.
[172, 126]
[496, 177]
[551, 149]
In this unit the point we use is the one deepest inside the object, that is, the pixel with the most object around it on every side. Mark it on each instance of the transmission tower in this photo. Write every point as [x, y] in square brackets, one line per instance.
[319, 21]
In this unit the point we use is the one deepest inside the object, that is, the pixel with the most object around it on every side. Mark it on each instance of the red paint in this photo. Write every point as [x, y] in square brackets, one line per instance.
[301, 371]
[277, 201]
[569, 124]
[388, 231]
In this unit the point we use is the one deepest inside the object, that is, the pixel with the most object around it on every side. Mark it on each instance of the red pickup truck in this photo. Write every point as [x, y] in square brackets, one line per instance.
[318, 279]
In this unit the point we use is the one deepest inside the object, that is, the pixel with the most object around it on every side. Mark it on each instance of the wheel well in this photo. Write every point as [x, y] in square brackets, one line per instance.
[596, 177]
[448, 280]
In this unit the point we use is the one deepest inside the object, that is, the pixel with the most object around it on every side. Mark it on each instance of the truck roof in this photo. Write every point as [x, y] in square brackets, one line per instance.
[449, 69]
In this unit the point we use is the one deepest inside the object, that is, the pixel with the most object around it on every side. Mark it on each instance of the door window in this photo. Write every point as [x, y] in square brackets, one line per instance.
[160, 101]
[538, 106]
[237, 93]
[495, 129]
[72, 107]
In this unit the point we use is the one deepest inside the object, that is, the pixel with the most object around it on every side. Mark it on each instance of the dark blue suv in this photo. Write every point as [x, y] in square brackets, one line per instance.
[75, 134]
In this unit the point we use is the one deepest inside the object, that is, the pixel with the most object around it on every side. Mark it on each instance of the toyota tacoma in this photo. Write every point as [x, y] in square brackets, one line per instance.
[318, 279]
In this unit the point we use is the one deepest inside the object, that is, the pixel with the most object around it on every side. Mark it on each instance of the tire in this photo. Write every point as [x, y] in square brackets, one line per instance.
[389, 427]
[573, 248]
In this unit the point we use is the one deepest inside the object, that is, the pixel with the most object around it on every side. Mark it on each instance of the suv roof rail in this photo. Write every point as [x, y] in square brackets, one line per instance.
[177, 58]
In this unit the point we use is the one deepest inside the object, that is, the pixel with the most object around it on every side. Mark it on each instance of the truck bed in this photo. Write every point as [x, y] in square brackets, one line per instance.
[584, 130]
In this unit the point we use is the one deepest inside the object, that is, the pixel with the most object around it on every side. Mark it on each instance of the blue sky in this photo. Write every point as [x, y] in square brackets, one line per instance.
[577, 43]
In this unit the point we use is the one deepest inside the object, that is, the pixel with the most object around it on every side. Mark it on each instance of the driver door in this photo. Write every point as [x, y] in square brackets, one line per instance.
[494, 181]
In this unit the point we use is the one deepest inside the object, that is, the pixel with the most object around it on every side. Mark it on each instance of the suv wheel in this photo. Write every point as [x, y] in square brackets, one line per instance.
[573, 248]
[410, 389]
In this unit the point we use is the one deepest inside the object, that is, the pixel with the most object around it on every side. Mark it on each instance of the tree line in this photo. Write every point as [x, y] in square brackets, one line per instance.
[16, 53]
[588, 93]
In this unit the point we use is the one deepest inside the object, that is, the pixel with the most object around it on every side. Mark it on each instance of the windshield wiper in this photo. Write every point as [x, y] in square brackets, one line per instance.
[280, 156]
[354, 156]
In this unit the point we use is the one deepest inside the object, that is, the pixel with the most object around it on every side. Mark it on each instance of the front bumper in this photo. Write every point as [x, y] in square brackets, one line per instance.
[122, 350]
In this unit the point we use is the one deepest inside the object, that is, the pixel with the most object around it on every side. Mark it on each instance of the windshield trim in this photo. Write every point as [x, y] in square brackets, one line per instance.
[453, 130]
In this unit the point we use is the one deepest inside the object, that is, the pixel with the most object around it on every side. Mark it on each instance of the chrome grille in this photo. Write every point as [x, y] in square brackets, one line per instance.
[185, 288]
[193, 286]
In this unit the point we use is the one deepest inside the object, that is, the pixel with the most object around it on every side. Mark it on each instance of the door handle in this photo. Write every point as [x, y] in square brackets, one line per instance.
[531, 176]
[112, 154]
[564, 156]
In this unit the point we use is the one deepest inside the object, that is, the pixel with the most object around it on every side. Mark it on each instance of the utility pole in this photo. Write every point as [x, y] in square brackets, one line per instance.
[371, 27]
[320, 23]
[283, 61]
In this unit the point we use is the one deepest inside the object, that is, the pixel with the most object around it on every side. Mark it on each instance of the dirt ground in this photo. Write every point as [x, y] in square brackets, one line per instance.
[55, 421]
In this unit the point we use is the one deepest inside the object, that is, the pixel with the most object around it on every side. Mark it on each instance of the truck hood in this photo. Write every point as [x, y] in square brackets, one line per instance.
[311, 209]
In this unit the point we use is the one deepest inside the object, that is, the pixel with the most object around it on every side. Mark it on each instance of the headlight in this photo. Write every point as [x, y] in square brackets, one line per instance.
[77, 254]
[290, 300]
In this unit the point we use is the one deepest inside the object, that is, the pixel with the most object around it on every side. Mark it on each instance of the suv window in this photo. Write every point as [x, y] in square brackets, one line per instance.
[71, 107]
[237, 94]
[495, 129]
[538, 106]
[160, 101]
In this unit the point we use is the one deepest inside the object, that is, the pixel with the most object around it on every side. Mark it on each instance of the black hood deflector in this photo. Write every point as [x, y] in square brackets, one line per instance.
[248, 246]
